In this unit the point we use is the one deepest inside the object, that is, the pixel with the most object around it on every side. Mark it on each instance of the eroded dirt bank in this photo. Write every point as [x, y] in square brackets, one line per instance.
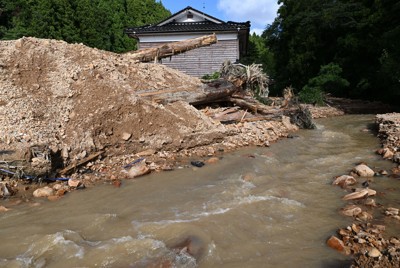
[61, 104]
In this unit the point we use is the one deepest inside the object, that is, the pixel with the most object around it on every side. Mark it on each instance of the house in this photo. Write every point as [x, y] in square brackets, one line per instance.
[191, 23]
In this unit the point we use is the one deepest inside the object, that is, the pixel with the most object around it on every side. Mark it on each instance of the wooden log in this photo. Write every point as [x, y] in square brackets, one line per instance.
[170, 49]
[209, 92]
[253, 105]
[81, 162]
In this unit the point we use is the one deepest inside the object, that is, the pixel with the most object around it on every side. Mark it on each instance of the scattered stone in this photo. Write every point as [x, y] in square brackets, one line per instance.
[344, 180]
[392, 211]
[126, 136]
[5, 190]
[43, 192]
[61, 192]
[356, 195]
[197, 163]
[374, 253]
[351, 210]
[53, 197]
[364, 216]
[363, 171]
[383, 172]
[336, 244]
[147, 152]
[3, 209]
[212, 160]
[137, 170]
[370, 202]
[388, 154]
[117, 183]
[74, 183]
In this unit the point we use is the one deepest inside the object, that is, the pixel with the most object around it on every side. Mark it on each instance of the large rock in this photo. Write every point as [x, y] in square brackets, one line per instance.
[137, 170]
[336, 243]
[344, 180]
[43, 192]
[363, 170]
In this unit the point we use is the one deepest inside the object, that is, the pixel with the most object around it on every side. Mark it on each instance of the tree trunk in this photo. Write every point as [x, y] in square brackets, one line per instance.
[170, 49]
[210, 92]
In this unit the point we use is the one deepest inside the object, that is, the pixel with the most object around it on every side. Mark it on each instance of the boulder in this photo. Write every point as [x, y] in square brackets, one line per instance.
[3, 209]
[356, 195]
[43, 192]
[374, 253]
[74, 183]
[351, 210]
[126, 136]
[138, 170]
[344, 180]
[363, 170]
[336, 243]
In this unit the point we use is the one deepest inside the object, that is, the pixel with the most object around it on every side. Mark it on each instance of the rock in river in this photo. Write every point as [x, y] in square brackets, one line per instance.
[363, 171]
[43, 192]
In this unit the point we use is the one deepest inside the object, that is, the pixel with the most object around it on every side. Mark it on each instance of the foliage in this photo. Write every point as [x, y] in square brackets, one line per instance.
[258, 53]
[212, 76]
[96, 23]
[363, 37]
[328, 80]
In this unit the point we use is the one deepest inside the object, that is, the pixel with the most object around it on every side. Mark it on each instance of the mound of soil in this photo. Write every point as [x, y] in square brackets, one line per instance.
[76, 100]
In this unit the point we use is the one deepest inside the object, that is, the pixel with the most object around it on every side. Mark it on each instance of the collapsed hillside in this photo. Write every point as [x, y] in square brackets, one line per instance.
[77, 100]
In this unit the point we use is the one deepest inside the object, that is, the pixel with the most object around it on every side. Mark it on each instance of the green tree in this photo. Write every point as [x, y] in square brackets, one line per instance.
[329, 79]
[96, 23]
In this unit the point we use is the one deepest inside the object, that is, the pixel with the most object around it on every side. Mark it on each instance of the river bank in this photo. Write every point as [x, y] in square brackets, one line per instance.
[365, 238]
[81, 105]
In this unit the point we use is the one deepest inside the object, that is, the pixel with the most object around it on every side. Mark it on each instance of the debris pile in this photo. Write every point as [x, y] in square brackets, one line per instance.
[66, 106]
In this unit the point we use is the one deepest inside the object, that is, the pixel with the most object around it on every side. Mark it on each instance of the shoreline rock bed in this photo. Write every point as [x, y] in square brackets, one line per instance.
[389, 134]
[365, 238]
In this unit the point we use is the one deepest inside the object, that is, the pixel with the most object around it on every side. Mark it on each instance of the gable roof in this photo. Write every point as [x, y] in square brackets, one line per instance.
[202, 23]
[191, 10]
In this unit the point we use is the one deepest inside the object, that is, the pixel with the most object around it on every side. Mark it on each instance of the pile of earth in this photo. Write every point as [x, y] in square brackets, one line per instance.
[76, 100]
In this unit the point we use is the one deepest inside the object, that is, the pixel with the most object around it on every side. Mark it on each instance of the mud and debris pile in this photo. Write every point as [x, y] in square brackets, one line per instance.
[77, 100]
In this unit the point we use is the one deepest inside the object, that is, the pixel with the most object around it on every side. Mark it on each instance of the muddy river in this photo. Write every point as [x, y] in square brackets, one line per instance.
[281, 217]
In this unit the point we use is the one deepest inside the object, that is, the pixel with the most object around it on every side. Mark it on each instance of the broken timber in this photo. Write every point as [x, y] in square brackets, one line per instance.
[81, 162]
[210, 92]
[170, 49]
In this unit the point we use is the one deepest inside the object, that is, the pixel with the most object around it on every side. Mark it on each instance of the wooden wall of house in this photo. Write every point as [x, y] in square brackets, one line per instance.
[204, 60]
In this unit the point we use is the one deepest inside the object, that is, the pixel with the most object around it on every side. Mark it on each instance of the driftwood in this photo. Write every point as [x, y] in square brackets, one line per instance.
[81, 162]
[170, 49]
[210, 92]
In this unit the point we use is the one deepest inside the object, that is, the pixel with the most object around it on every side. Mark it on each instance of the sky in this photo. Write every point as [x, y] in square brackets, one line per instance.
[259, 12]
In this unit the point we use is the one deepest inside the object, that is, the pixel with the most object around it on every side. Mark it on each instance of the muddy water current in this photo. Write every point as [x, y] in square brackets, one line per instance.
[280, 218]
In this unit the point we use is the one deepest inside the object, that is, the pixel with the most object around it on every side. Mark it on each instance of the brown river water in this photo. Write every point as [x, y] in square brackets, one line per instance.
[281, 218]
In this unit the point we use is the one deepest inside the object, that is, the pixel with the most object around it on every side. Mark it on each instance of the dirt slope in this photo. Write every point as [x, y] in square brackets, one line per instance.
[77, 99]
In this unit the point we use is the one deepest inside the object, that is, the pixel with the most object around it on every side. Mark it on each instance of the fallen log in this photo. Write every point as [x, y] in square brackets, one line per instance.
[79, 163]
[170, 49]
[210, 92]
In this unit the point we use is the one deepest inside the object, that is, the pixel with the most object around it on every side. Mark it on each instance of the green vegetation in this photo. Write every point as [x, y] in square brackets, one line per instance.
[328, 80]
[212, 76]
[349, 48]
[360, 37]
[96, 23]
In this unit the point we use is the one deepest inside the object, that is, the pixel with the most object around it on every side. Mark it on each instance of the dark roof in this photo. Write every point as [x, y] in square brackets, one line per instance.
[209, 24]
[193, 9]
[189, 27]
